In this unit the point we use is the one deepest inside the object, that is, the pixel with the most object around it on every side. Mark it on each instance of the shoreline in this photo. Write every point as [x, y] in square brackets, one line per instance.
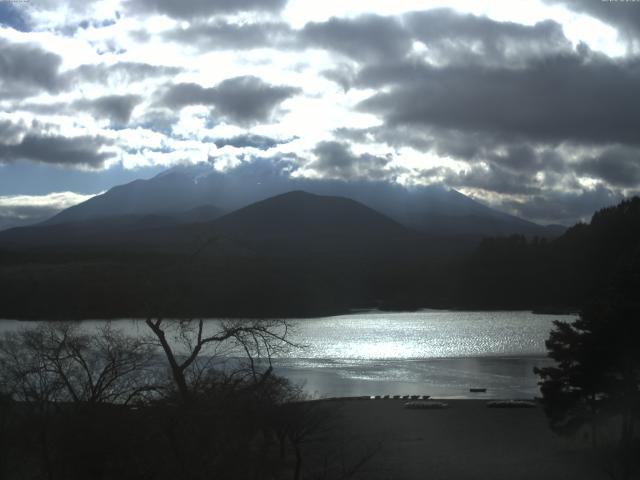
[356, 311]
[467, 440]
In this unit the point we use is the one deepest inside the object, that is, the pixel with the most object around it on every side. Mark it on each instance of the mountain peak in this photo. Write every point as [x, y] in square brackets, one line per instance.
[432, 209]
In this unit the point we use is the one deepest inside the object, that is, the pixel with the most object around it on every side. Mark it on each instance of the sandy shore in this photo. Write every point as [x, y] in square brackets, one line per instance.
[467, 440]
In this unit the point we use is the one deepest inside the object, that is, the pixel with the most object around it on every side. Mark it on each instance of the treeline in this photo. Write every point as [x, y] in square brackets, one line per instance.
[561, 274]
[106, 285]
[500, 273]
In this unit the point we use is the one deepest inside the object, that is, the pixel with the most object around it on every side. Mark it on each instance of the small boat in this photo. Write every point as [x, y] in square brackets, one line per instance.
[477, 390]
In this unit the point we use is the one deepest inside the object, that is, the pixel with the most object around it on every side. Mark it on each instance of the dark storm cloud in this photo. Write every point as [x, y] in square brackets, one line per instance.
[27, 69]
[247, 99]
[587, 100]
[492, 164]
[365, 38]
[249, 140]
[451, 38]
[116, 108]
[454, 37]
[335, 160]
[189, 9]
[219, 35]
[623, 15]
[56, 149]
[522, 158]
[563, 207]
[618, 166]
[493, 178]
[243, 100]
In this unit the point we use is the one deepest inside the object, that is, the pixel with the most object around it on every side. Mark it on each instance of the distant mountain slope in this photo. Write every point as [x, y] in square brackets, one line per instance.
[130, 229]
[292, 224]
[432, 209]
[168, 193]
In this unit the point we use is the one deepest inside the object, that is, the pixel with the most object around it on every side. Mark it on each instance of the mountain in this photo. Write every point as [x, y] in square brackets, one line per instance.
[298, 222]
[107, 231]
[293, 254]
[433, 209]
[291, 224]
[302, 254]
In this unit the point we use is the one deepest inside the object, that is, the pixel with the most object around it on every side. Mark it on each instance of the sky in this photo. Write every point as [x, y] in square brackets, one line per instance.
[531, 107]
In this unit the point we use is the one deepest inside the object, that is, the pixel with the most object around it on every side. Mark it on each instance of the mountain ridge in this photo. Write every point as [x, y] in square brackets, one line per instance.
[430, 209]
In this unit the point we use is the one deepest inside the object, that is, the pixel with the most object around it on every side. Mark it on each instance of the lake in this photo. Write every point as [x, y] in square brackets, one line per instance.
[433, 352]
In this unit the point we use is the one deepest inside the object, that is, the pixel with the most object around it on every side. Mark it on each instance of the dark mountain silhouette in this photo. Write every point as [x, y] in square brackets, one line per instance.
[293, 254]
[433, 209]
[300, 254]
[292, 224]
[129, 230]
[298, 222]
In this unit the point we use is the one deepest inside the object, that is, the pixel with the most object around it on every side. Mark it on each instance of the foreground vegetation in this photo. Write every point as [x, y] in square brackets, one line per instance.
[80, 404]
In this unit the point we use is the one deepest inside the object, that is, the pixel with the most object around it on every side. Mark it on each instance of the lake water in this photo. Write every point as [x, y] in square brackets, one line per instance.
[433, 352]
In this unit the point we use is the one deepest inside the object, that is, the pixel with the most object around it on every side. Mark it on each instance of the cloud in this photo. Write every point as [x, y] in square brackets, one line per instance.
[120, 71]
[448, 37]
[189, 9]
[116, 108]
[618, 166]
[11, 16]
[21, 210]
[335, 160]
[455, 38]
[368, 38]
[27, 69]
[56, 149]
[243, 100]
[562, 98]
[623, 15]
[220, 35]
[492, 178]
[563, 207]
[251, 141]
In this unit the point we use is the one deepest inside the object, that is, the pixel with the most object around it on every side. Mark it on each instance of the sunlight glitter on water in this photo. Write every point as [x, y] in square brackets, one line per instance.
[424, 334]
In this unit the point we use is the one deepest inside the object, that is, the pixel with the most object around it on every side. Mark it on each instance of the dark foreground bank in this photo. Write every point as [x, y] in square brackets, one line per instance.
[466, 440]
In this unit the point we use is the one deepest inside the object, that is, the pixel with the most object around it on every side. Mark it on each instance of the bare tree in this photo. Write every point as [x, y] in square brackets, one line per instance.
[184, 341]
[46, 368]
[59, 362]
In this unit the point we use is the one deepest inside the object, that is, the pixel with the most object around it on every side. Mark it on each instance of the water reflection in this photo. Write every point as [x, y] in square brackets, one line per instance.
[439, 353]
[441, 378]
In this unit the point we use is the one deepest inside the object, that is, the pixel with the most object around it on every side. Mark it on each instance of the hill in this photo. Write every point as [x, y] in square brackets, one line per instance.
[566, 273]
[301, 223]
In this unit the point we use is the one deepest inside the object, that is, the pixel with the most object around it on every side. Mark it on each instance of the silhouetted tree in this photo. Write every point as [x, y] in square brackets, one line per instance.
[183, 342]
[596, 377]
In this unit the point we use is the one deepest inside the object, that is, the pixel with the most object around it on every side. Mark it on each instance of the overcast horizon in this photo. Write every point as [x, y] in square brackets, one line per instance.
[529, 107]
